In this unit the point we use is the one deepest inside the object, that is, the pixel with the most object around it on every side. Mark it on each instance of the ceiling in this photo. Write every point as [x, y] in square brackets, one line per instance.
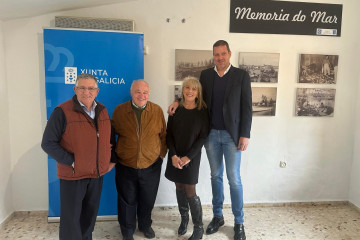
[12, 9]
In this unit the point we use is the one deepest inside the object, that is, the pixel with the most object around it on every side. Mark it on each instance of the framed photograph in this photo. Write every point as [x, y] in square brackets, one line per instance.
[262, 67]
[192, 62]
[315, 102]
[177, 91]
[264, 101]
[317, 68]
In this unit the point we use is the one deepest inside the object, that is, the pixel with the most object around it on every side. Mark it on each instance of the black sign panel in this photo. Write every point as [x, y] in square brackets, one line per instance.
[281, 17]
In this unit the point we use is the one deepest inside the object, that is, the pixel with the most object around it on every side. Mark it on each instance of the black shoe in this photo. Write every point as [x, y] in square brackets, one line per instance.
[128, 237]
[239, 232]
[215, 224]
[148, 232]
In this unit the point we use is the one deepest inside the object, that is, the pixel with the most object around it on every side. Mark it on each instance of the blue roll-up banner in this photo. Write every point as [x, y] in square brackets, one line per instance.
[115, 59]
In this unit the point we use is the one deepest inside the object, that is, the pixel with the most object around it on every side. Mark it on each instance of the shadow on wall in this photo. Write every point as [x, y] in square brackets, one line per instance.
[6, 205]
[29, 177]
[42, 80]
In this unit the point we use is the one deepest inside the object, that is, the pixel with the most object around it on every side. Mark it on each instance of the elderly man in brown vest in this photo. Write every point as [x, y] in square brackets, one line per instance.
[77, 136]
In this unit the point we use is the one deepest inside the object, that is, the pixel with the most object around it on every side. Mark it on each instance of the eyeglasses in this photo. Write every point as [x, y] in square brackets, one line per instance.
[91, 89]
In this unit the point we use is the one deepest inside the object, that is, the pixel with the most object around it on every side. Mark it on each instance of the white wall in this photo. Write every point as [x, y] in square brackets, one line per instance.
[355, 173]
[6, 207]
[318, 151]
[26, 90]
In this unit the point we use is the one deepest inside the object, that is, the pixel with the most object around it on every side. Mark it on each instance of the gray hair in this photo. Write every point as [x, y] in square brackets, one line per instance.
[139, 80]
[86, 76]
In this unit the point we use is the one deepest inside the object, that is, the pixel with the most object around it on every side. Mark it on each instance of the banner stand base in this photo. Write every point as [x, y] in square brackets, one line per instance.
[98, 218]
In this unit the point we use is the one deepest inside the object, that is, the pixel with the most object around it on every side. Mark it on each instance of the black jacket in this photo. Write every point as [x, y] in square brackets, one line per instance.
[237, 108]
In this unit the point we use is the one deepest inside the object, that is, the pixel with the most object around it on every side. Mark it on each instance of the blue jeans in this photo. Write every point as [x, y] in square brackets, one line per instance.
[218, 144]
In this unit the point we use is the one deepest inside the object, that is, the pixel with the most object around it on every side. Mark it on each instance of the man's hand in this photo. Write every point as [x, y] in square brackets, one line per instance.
[243, 143]
[172, 108]
[111, 165]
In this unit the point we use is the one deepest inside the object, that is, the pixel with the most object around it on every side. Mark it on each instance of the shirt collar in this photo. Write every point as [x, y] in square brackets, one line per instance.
[225, 70]
[91, 113]
[92, 106]
[143, 107]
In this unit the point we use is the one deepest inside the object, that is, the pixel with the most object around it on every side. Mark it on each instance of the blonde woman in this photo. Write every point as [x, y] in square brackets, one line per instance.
[187, 131]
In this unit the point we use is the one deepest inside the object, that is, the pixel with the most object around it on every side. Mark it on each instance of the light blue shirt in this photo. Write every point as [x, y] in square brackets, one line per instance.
[91, 113]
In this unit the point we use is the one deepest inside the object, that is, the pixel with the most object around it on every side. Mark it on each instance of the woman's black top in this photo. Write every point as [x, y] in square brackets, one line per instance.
[187, 131]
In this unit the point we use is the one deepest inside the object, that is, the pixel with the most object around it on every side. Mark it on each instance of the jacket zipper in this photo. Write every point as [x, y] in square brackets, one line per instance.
[97, 153]
[97, 141]
[138, 136]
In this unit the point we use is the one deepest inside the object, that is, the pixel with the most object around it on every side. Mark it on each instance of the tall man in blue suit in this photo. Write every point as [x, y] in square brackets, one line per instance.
[227, 93]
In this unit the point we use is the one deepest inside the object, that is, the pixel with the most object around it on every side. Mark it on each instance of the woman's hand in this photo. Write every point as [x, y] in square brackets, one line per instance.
[184, 160]
[176, 162]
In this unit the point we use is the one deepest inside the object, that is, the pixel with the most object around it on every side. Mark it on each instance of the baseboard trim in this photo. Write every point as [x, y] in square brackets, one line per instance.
[290, 204]
[354, 206]
[251, 205]
[7, 219]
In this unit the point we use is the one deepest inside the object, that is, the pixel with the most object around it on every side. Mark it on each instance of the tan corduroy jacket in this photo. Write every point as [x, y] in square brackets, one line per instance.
[139, 147]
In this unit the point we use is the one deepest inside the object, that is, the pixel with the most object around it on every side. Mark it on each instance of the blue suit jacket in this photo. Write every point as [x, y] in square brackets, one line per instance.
[237, 108]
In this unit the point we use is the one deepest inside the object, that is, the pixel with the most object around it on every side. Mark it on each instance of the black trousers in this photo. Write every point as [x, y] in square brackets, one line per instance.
[79, 204]
[137, 190]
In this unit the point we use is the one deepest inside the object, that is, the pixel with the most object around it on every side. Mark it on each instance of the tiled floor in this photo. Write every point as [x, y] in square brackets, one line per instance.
[330, 221]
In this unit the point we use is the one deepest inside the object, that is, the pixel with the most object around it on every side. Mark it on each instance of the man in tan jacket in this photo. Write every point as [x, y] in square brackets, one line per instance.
[141, 145]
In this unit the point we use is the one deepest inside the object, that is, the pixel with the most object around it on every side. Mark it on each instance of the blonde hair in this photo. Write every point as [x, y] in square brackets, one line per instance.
[193, 82]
